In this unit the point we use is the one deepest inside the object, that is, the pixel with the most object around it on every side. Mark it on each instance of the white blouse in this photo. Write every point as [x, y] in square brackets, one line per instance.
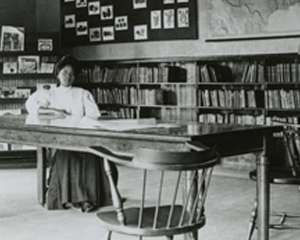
[76, 101]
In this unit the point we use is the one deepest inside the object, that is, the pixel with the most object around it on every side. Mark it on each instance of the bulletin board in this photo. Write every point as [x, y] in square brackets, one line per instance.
[85, 22]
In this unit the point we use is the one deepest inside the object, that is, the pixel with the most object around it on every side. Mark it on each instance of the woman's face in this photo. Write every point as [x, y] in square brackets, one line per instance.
[66, 76]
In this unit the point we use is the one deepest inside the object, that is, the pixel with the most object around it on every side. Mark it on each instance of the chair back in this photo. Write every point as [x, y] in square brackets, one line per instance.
[173, 187]
[285, 151]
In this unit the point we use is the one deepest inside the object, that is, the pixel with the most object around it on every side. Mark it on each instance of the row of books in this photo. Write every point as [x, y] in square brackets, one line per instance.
[239, 98]
[250, 73]
[97, 74]
[172, 114]
[216, 118]
[120, 113]
[127, 95]
[161, 73]
[283, 72]
[282, 99]
[169, 95]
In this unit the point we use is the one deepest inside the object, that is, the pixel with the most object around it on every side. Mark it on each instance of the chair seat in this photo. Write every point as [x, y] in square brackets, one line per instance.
[108, 219]
[279, 176]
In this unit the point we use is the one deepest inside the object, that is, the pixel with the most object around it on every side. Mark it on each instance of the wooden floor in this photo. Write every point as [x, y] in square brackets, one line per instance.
[228, 210]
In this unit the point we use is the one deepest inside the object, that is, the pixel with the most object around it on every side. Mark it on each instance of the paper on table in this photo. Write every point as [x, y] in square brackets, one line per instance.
[119, 124]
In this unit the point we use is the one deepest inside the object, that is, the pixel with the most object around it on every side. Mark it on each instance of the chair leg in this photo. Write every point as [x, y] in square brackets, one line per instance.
[252, 220]
[108, 235]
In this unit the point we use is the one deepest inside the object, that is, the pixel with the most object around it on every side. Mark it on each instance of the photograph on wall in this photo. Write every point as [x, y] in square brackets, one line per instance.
[182, 1]
[82, 28]
[45, 44]
[12, 38]
[156, 19]
[183, 17]
[10, 67]
[169, 19]
[81, 3]
[139, 4]
[28, 64]
[237, 21]
[69, 0]
[140, 32]
[108, 33]
[169, 1]
[70, 21]
[94, 8]
[107, 12]
[121, 23]
[95, 34]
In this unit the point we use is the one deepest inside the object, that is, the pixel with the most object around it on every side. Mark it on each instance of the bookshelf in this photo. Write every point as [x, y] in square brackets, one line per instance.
[12, 85]
[164, 89]
[20, 73]
[233, 89]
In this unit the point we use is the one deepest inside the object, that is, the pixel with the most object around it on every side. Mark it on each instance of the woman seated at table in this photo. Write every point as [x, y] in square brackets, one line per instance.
[76, 179]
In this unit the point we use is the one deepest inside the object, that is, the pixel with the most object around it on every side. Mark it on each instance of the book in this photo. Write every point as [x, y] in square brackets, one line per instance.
[10, 67]
[29, 64]
[46, 67]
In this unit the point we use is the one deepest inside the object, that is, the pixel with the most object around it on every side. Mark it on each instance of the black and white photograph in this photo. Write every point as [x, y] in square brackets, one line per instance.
[136, 119]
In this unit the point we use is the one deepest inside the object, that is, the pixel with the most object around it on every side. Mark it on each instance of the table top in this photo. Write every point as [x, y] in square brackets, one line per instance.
[173, 130]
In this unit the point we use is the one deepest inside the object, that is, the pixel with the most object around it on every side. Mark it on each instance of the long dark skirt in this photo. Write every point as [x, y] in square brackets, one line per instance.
[78, 177]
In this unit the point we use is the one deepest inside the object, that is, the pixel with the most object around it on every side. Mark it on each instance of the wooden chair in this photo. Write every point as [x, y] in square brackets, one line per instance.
[284, 169]
[168, 213]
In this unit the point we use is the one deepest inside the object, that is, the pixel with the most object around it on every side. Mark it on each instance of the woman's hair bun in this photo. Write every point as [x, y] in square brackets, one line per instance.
[67, 60]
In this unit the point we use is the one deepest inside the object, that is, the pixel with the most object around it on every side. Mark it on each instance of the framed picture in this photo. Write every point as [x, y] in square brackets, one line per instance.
[29, 64]
[12, 38]
[45, 44]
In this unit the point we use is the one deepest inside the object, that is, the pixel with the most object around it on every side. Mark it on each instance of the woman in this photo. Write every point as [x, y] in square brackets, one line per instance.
[76, 179]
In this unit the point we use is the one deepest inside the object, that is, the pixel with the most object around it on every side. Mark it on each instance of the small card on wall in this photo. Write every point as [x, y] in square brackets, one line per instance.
[156, 19]
[107, 12]
[95, 34]
[140, 32]
[70, 21]
[94, 8]
[139, 4]
[81, 3]
[183, 17]
[121, 23]
[169, 19]
[81, 28]
[108, 33]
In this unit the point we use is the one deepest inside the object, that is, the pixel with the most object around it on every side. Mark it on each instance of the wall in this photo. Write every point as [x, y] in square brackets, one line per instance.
[48, 20]
[192, 48]
[19, 13]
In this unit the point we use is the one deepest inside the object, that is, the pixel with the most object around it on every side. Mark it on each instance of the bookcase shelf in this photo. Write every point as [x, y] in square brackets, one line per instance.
[221, 89]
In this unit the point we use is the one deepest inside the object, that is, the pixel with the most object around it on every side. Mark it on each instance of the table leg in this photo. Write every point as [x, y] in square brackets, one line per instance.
[263, 187]
[41, 175]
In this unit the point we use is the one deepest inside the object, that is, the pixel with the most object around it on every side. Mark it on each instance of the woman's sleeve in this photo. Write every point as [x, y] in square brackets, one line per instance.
[91, 107]
[38, 99]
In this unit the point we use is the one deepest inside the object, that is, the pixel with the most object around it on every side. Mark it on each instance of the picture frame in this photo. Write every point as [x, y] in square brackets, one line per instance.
[45, 44]
[28, 64]
[12, 38]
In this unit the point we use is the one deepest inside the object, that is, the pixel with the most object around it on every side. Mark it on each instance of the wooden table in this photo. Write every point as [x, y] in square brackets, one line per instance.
[65, 134]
